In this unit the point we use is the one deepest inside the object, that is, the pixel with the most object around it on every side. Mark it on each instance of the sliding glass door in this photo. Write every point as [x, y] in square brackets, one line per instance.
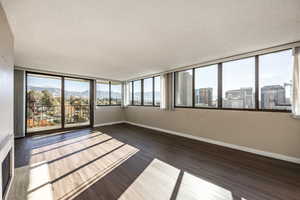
[44, 100]
[57, 102]
[77, 102]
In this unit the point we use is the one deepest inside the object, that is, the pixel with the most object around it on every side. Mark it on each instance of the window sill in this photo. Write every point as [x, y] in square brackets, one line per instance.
[102, 106]
[235, 109]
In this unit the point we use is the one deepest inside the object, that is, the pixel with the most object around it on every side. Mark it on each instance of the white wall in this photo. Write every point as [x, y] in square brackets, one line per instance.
[6, 77]
[6, 90]
[273, 132]
[108, 114]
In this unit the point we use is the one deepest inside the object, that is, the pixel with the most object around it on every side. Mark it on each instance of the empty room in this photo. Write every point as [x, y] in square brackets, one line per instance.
[149, 100]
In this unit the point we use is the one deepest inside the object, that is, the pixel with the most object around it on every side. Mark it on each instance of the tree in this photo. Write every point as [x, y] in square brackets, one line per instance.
[47, 99]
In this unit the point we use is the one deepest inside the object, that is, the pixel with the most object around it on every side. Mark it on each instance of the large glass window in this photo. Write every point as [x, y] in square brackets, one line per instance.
[262, 82]
[116, 93]
[109, 93]
[239, 84]
[43, 102]
[148, 91]
[77, 102]
[206, 86]
[184, 88]
[275, 80]
[46, 107]
[157, 91]
[137, 92]
[102, 93]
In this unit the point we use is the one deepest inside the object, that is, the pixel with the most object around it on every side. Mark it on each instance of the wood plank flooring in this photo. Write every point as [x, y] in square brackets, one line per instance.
[130, 163]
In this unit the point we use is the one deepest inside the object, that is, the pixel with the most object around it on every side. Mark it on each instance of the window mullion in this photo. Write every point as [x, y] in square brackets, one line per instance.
[193, 87]
[153, 92]
[256, 82]
[109, 93]
[220, 84]
[142, 92]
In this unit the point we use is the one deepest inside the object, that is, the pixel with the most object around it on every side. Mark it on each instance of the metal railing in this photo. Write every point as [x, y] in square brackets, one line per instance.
[47, 116]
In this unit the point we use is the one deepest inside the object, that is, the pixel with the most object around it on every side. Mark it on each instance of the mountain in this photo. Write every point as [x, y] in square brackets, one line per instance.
[85, 94]
[54, 91]
[57, 91]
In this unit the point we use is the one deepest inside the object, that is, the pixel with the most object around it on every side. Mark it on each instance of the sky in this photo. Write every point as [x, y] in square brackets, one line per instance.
[148, 85]
[117, 88]
[55, 82]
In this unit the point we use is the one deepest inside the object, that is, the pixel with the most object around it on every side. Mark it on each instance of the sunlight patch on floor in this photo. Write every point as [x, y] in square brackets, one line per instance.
[194, 188]
[71, 149]
[157, 181]
[65, 169]
[66, 141]
[91, 173]
[31, 183]
[39, 183]
[160, 181]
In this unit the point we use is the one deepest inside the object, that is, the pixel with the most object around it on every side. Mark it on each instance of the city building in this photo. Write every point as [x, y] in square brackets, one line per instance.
[204, 97]
[240, 98]
[273, 97]
[185, 96]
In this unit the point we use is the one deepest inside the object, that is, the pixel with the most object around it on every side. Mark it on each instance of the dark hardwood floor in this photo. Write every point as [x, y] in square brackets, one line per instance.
[140, 163]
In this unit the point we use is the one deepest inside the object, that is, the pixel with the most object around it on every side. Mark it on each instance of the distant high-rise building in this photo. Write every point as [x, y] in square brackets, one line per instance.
[288, 92]
[185, 79]
[204, 96]
[273, 97]
[240, 98]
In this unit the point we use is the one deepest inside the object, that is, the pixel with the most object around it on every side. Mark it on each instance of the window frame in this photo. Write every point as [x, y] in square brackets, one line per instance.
[154, 105]
[63, 77]
[148, 105]
[193, 88]
[110, 104]
[220, 86]
[142, 92]
[258, 86]
[110, 96]
[131, 103]
[194, 79]
[254, 88]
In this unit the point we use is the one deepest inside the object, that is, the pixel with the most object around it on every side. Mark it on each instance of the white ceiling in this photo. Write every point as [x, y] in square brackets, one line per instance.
[123, 39]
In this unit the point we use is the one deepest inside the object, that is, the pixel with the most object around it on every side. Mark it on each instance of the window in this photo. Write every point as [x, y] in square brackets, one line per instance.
[116, 94]
[145, 92]
[148, 91]
[44, 99]
[137, 93]
[102, 93]
[157, 91]
[275, 80]
[56, 102]
[77, 102]
[206, 86]
[184, 88]
[261, 82]
[239, 84]
[109, 93]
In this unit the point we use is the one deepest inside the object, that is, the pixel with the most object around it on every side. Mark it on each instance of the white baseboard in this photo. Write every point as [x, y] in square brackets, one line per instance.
[232, 146]
[109, 123]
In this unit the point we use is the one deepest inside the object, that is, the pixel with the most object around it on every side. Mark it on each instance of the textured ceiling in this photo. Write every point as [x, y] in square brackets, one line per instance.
[120, 39]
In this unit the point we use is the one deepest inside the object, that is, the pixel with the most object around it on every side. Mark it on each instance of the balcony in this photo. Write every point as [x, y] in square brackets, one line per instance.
[40, 118]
